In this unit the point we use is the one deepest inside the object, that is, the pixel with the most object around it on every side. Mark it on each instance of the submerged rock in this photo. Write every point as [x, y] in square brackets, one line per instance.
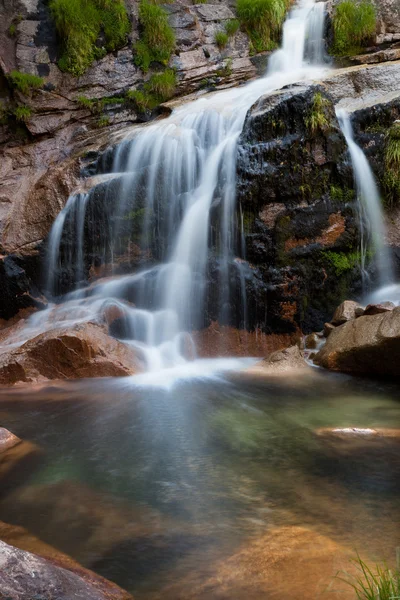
[16, 455]
[369, 345]
[84, 350]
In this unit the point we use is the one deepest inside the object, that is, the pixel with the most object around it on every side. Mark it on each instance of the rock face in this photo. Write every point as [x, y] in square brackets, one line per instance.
[85, 350]
[296, 191]
[369, 345]
[25, 575]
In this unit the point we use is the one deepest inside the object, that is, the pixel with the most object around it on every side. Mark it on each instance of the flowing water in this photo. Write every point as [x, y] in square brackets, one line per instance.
[181, 173]
[371, 212]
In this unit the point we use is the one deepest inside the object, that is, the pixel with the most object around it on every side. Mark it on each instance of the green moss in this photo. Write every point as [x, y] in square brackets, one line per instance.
[25, 82]
[341, 195]
[97, 105]
[341, 262]
[262, 20]
[103, 121]
[22, 113]
[157, 41]
[226, 70]
[354, 26]
[79, 24]
[221, 39]
[391, 178]
[317, 119]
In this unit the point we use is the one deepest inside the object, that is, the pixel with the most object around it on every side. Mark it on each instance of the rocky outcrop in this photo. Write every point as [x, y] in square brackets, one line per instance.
[369, 345]
[26, 575]
[85, 350]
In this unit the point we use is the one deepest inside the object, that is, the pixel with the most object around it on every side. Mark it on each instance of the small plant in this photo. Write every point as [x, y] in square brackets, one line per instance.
[221, 39]
[103, 121]
[226, 70]
[232, 27]
[379, 584]
[22, 113]
[391, 176]
[354, 26]
[142, 100]
[317, 119]
[161, 85]
[25, 82]
[157, 40]
[262, 20]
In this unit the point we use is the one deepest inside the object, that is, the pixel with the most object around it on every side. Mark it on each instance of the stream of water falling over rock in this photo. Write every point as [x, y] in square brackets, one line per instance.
[185, 168]
[370, 207]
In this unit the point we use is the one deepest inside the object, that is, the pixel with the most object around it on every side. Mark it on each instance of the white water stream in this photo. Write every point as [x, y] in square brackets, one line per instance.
[371, 213]
[186, 163]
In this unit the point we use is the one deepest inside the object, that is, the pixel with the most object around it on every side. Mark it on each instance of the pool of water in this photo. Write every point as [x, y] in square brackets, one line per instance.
[147, 485]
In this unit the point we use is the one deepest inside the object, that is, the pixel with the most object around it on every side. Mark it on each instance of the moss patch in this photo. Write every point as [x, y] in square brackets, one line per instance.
[25, 82]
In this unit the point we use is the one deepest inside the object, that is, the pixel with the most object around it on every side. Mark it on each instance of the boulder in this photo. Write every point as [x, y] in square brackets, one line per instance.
[369, 345]
[25, 575]
[281, 361]
[312, 341]
[328, 328]
[285, 563]
[377, 309]
[345, 312]
[85, 350]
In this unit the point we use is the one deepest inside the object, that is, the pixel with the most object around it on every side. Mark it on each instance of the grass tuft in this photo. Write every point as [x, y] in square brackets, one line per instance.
[391, 178]
[22, 113]
[24, 82]
[232, 27]
[79, 24]
[317, 119]
[354, 26]
[157, 41]
[262, 20]
[221, 39]
[379, 584]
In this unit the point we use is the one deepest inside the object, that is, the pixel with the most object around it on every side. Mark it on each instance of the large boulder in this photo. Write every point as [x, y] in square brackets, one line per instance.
[85, 350]
[369, 345]
[16, 456]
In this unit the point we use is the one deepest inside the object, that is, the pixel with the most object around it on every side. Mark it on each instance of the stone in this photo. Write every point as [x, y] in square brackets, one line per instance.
[16, 456]
[345, 312]
[359, 311]
[281, 361]
[25, 575]
[286, 562]
[312, 341]
[376, 309]
[85, 350]
[369, 345]
[328, 328]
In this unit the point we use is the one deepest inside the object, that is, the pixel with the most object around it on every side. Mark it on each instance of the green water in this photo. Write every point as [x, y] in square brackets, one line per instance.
[145, 486]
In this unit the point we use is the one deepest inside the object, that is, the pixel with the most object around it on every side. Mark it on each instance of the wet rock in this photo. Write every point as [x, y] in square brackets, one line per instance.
[26, 575]
[81, 351]
[377, 309]
[16, 456]
[369, 345]
[345, 312]
[312, 341]
[358, 432]
[359, 311]
[284, 563]
[290, 359]
[328, 328]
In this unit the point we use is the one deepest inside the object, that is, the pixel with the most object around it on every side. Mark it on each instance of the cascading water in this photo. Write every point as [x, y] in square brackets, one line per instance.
[370, 206]
[179, 174]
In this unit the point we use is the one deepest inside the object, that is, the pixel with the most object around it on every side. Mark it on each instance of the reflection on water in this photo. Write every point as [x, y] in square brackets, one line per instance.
[146, 486]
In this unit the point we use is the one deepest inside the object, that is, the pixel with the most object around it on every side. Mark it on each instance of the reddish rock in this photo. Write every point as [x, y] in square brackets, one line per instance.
[328, 328]
[345, 312]
[15, 455]
[82, 351]
[377, 309]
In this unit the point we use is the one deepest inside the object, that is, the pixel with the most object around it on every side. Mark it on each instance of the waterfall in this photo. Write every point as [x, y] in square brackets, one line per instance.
[370, 205]
[180, 175]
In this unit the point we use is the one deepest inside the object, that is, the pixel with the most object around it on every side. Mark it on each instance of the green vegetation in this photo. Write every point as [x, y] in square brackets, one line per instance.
[262, 20]
[157, 41]
[340, 261]
[354, 25]
[226, 70]
[12, 30]
[391, 177]
[159, 88]
[221, 39]
[380, 584]
[96, 105]
[79, 24]
[24, 82]
[103, 121]
[232, 27]
[22, 113]
[317, 119]
[341, 195]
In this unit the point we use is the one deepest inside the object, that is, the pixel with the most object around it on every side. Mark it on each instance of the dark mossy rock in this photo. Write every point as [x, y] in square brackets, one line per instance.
[296, 191]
